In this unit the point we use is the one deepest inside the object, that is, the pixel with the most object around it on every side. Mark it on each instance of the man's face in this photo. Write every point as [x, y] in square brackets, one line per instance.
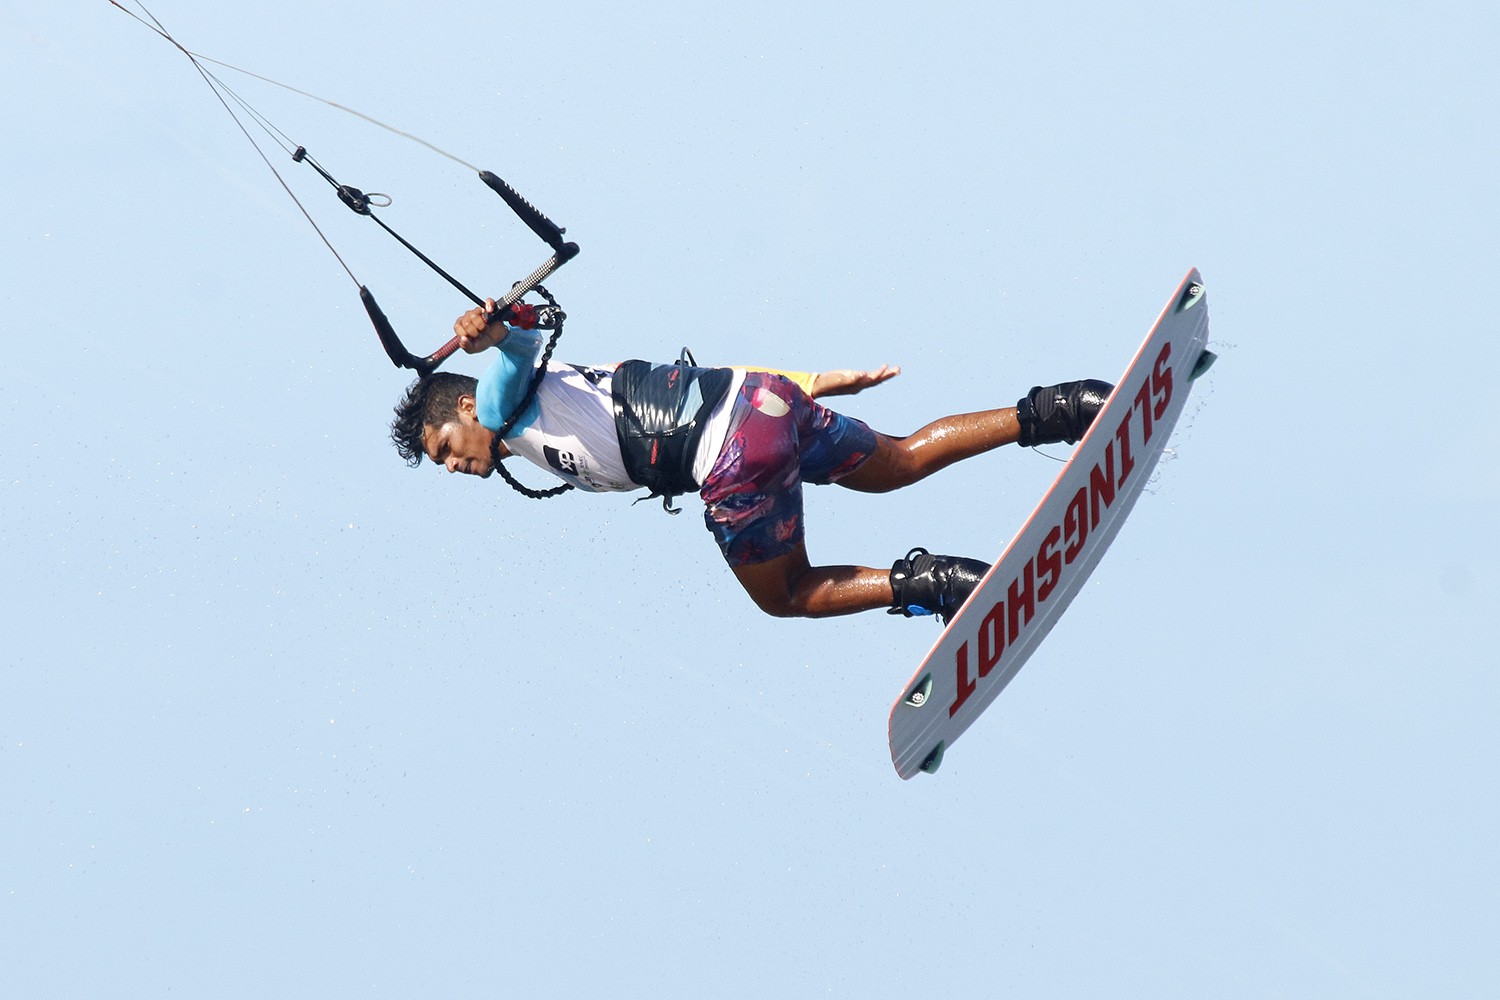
[461, 445]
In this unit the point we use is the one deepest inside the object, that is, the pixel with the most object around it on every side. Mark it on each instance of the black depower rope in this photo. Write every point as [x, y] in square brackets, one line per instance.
[510, 308]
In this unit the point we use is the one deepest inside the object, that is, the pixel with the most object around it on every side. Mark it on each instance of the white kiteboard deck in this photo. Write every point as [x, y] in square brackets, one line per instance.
[1046, 565]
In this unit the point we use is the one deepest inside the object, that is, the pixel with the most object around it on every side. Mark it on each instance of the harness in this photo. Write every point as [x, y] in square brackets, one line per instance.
[661, 412]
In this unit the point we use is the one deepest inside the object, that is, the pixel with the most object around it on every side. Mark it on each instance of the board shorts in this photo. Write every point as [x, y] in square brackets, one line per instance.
[779, 439]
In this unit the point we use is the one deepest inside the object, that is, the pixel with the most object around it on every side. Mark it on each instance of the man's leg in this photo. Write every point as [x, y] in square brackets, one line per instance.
[1045, 415]
[920, 584]
[788, 587]
[898, 462]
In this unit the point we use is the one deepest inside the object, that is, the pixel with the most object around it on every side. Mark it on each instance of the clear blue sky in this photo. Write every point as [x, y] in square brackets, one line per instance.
[280, 717]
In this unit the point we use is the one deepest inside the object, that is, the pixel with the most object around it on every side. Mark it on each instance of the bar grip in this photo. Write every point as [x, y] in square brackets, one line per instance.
[550, 232]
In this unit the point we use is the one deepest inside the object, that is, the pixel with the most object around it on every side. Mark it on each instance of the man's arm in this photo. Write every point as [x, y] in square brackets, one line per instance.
[478, 331]
[840, 382]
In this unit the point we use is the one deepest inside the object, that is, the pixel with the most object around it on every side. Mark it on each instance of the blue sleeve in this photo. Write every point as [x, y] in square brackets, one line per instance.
[502, 387]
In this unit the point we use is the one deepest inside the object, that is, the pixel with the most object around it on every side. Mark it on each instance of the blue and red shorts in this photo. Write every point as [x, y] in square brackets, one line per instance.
[780, 439]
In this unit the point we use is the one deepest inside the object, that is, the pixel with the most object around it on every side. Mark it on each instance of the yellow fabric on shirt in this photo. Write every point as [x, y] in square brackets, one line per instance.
[804, 380]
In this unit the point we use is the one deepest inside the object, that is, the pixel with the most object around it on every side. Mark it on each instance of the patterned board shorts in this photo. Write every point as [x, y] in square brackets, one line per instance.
[781, 439]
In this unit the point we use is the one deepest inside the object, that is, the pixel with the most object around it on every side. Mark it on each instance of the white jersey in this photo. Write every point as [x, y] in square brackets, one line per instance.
[571, 430]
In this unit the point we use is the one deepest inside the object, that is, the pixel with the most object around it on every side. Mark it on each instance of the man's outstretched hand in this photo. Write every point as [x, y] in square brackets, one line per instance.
[848, 381]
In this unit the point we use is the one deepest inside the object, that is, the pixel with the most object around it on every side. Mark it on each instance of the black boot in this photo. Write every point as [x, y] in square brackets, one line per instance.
[925, 584]
[1060, 413]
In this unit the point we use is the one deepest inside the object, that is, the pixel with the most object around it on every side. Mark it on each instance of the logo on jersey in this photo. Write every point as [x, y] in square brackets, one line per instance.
[563, 461]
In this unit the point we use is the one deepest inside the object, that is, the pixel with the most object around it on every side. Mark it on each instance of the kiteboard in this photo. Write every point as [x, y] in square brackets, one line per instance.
[1028, 589]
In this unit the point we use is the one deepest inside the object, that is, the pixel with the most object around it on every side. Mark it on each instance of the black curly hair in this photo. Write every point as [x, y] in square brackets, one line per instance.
[430, 401]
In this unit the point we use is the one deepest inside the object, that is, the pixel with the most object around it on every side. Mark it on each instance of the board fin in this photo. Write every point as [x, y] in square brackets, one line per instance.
[918, 695]
[1204, 363]
[933, 760]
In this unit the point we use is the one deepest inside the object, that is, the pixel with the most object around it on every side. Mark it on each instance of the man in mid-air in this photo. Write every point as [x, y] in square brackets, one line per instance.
[745, 440]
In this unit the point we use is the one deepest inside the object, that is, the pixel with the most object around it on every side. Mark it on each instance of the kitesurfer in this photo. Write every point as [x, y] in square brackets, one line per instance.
[744, 439]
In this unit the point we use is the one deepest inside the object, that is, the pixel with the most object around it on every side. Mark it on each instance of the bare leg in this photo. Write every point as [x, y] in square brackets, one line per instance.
[899, 462]
[788, 587]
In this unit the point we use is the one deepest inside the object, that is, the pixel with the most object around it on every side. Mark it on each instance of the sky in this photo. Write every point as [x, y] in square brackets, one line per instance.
[280, 716]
